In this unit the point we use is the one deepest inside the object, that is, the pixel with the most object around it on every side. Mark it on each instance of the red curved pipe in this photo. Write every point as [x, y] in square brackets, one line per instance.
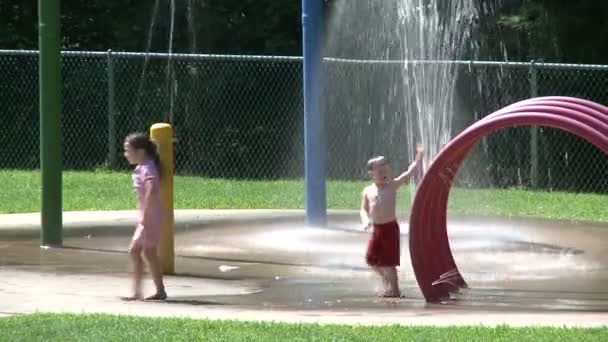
[431, 255]
[595, 118]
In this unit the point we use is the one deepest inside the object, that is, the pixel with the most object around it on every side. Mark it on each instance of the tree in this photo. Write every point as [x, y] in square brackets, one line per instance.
[210, 26]
[558, 30]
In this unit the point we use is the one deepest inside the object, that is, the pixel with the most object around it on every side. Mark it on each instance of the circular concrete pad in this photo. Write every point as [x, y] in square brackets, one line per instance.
[510, 264]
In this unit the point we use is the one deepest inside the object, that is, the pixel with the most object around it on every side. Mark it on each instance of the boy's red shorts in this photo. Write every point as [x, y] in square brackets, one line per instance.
[383, 247]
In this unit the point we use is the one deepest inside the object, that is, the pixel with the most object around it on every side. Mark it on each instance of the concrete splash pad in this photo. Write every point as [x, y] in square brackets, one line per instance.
[513, 266]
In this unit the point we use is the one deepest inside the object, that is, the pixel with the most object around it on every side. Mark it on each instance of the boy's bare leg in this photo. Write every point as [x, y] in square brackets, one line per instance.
[392, 280]
[381, 272]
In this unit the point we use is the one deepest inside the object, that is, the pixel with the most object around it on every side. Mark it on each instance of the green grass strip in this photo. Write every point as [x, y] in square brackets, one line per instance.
[71, 327]
[112, 191]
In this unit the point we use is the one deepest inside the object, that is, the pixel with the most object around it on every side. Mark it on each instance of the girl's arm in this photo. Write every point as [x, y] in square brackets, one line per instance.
[364, 212]
[149, 185]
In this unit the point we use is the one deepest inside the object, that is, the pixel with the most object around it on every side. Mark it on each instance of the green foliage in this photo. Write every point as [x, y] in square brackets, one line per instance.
[219, 26]
[558, 30]
[528, 18]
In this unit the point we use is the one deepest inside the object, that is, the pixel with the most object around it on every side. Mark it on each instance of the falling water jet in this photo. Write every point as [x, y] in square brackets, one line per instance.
[389, 67]
[171, 80]
[432, 31]
[140, 88]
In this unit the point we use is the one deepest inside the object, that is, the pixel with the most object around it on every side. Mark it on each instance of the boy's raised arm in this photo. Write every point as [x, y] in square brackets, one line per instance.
[406, 175]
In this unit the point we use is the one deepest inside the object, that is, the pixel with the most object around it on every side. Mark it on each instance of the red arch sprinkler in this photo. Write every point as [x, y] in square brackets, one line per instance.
[432, 260]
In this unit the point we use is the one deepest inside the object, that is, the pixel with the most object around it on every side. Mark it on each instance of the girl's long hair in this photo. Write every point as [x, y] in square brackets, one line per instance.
[141, 141]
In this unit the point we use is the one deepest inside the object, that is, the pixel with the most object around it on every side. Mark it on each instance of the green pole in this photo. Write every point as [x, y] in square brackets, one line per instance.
[49, 40]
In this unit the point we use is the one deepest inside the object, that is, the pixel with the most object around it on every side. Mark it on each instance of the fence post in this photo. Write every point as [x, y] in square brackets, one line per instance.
[49, 40]
[533, 130]
[111, 112]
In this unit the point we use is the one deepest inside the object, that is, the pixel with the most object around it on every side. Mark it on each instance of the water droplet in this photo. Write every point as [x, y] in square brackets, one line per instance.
[226, 268]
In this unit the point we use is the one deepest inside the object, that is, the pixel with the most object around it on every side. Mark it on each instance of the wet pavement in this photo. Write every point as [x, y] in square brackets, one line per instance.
[526, 271]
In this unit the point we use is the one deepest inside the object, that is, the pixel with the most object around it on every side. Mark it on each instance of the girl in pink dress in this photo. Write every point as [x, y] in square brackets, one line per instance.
[141, 151]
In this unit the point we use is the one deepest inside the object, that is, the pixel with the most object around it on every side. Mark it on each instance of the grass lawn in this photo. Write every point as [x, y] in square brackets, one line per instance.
[67, 327]
[112, 190]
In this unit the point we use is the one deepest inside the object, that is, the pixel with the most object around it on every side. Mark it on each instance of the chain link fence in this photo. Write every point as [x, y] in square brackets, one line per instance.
[241, 116]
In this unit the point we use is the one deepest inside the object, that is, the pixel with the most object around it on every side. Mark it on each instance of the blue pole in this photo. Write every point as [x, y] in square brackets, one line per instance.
[314, 121]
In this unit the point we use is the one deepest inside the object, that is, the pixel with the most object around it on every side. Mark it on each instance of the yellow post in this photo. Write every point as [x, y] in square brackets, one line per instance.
[162, 134]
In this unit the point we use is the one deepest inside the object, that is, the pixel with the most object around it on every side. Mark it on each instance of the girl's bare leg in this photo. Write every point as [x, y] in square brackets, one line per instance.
[138, 272]
[154, 264]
